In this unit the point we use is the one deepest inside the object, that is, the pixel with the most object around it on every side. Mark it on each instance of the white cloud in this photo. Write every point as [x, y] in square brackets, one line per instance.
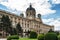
[56, 1]
[14, 4]
[0, 0]
[52, 21]
[41, 6]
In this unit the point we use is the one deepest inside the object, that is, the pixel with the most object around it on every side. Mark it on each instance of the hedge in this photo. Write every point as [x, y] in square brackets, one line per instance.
[51, 36]
[13, 37]
[40, 37]
[58, 37]
[33, 34]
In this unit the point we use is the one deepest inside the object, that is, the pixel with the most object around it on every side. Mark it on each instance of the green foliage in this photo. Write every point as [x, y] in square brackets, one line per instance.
[26, 39]
[19, 28]
[40, 37]
[58, 37]
[50, 30]
[27, 33]
[14, 32]
[57, 33]
[7, 25]
[51, 36]
[6, 21]
[13, 37]
[33, 34]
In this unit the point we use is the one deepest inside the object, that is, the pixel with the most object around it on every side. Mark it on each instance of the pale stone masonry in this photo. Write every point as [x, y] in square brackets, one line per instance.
[28, 23]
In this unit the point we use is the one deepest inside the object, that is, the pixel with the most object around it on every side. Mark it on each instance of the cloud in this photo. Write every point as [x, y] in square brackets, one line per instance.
[42, 7]
[56, 1]
[0, 0]
[52, 21]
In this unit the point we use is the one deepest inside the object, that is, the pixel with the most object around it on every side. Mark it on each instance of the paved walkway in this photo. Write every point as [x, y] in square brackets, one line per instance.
[3, 39]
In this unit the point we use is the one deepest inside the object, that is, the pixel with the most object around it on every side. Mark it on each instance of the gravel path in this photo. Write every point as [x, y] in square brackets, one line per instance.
[3, 39]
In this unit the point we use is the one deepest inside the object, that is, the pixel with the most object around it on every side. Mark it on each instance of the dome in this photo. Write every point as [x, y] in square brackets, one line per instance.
[39, 15]
[30, 8]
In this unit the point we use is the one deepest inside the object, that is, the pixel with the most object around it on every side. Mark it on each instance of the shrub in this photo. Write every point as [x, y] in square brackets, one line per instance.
[13, 37]
[51, 36]
[50, 30]
[58, 37]
[33, 34]
[40, 37]
[57, 33]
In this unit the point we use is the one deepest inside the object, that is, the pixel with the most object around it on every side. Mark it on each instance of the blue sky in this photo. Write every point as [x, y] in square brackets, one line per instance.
[49, 9]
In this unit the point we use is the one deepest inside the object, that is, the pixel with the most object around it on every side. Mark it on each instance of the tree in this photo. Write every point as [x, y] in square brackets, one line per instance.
[2, 22]
[6, 24]
[50, 30]
[12, 31]
[5, 20]
[56, 32]
[19, 29]
[28, 33]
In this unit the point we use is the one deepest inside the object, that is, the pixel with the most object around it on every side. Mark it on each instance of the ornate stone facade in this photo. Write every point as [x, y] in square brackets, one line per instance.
[28, 23]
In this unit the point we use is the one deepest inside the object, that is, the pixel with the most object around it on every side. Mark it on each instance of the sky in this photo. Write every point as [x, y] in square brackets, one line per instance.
[49, 9]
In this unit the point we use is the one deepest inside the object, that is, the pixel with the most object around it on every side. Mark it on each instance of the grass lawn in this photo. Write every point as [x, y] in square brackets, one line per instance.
[26, 39]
